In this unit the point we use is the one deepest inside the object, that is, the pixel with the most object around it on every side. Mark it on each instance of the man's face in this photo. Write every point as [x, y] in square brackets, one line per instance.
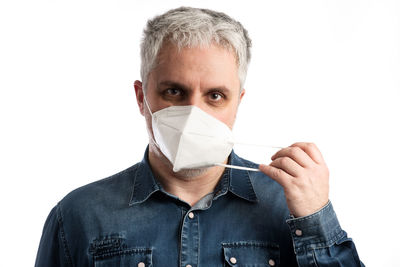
[204, 77]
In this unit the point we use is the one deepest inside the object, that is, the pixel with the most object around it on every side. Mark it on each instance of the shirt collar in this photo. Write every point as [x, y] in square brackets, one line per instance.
[144, 182]
[235, 181]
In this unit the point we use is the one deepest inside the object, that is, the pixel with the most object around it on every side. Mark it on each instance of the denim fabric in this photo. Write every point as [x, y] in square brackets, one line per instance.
[129, 220]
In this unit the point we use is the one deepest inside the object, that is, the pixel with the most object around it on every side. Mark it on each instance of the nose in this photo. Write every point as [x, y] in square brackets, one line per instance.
[196, 99]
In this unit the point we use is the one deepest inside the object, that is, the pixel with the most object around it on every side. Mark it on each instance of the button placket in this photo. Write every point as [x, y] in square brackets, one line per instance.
[190, 239]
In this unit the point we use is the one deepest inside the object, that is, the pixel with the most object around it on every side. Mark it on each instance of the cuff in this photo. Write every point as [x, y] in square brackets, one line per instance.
[320, 229]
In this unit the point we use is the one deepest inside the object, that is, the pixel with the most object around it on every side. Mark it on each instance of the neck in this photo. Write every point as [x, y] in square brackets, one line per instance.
[189, 186]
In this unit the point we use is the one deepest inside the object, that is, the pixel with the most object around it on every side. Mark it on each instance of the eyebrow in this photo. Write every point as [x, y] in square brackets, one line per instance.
[173, 84]
[178, 85]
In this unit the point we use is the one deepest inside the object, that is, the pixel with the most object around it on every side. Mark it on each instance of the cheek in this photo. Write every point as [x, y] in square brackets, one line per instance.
[228, 116]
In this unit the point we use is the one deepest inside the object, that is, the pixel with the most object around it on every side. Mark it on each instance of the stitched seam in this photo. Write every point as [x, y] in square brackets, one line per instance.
[63, 238]
[144, 251]
[309, 217]
[198, 245]
[241, 244]
[134, 183]
[314, 258]
[250, 165]
[181, 233]
[253, 193]
[324, 243]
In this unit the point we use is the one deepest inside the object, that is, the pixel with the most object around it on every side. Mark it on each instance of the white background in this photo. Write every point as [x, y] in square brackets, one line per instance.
[322, 71]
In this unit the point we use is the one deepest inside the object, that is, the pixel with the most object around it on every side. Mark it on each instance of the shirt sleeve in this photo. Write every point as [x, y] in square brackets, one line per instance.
[319, 240]
[52, 248]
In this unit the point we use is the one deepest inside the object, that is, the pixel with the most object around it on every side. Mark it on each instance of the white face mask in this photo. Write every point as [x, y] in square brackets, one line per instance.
[191, 138]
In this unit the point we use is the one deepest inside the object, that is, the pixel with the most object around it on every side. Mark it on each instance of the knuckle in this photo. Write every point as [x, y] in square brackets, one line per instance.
[277, 172]
[296, 144]
[295, 151]
[310, 145]
[284, 161]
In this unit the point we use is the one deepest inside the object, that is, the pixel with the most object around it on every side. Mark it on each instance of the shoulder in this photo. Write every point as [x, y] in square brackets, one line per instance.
[113, 190]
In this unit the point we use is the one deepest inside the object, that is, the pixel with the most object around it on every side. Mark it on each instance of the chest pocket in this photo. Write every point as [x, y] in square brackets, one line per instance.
[111, 251]
[251, 254]
[125, 258]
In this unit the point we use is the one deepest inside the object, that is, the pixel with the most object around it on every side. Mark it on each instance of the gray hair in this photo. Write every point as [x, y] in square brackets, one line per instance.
[193, 27]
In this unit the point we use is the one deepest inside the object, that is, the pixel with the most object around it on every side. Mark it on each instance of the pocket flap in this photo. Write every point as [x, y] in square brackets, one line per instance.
[251, 254]
[129, 257]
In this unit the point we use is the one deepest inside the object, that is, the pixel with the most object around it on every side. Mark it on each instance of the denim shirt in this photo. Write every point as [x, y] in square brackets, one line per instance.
[128, 219]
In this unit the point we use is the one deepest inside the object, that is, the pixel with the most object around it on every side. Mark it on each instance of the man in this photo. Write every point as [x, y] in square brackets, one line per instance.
[180, 206]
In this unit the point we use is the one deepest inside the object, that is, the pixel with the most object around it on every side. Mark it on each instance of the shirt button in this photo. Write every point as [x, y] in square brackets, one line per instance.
[141, 264]
[298, 232]
[191, 215]
[271, 262]
[233, 260]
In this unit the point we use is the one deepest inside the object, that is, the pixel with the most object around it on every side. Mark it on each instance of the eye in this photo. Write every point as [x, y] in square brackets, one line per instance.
[216, 96]
[173, 92]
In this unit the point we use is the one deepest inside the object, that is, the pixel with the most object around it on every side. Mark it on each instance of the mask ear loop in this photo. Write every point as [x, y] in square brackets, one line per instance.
[237, 167]
[147, 105]
[151, 113]
[246, 168]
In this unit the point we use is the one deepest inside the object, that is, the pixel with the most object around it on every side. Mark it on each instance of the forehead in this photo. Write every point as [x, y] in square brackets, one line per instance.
[209, 66]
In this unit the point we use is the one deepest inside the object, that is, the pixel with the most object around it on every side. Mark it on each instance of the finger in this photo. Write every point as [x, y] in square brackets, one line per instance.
[280, 176]
[288, 165]
[295, 153]
[312, 150]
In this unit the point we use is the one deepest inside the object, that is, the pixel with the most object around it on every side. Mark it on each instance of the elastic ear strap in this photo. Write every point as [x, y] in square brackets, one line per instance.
[237, 167]
[147, 104]
[246, 168]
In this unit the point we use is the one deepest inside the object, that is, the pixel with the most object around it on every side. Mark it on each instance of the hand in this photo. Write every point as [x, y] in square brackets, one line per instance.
[304, 176]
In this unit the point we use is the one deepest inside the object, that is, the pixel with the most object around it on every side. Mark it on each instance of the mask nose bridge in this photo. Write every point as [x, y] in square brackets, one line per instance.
[189, 103]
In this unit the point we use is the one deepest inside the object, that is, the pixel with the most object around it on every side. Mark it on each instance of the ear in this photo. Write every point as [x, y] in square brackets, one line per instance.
[139, 95]
[241, 95]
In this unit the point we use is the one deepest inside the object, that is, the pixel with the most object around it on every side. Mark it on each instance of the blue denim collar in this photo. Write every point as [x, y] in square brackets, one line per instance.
[144, 182]
[235, 181]
[240, 180]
